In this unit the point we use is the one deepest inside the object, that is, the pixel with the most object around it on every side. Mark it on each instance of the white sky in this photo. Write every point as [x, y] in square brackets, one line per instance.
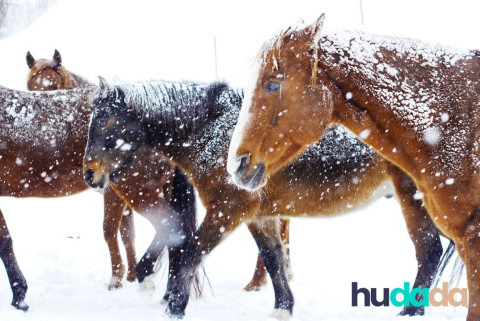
[173, 40]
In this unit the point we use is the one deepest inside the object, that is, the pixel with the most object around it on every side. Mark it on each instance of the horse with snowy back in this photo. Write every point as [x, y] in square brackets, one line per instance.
[191, 124]
[42, 142]
[413, 102]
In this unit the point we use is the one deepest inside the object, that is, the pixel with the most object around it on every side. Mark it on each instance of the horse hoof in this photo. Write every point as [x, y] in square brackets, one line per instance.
[412, 311]
[176, 306]
[280, 315]
[115, 285]
[131, 276]
[20, 305]
[164, 302]
[255, 286]
[148, 284]
[175, 314]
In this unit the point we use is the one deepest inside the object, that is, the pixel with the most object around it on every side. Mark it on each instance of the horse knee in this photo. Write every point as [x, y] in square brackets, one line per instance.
[110, 234]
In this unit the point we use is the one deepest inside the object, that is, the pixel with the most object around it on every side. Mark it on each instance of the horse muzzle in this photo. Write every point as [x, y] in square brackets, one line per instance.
[249, 179]
[95, 175]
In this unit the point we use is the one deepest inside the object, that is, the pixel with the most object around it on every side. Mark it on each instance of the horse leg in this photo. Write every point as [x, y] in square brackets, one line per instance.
[285, 235]
[183, 204]
[127, 232]
[270, 245]
[18, 284]
[422, 231]
[113, 210]
[215, 227]
[180, 225]
[259, 278]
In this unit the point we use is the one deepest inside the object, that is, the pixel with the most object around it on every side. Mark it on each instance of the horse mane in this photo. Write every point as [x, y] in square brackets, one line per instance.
[182, 106]
[365, 46]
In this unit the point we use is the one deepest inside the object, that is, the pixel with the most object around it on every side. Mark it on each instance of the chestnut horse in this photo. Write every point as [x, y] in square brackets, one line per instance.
[415, 103]
[52, 75]
[191, 124]
[43, 138]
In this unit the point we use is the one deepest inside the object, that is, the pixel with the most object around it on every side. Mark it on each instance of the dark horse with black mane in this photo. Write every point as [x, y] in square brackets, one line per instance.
[191, 124]
[47, 75]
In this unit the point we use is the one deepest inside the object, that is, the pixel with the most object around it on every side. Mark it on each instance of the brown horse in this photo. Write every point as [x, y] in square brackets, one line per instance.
[192, 124]
[52, 75]
[42, 143]
[414, 103]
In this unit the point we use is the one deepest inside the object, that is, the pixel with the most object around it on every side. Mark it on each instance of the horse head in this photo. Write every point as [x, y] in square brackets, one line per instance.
[114, 135]
[47, 74]
[281, 112]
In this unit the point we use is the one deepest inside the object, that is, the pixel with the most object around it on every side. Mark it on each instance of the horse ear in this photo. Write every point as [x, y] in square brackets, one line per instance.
[57, 59]
[102, 83]
[30, 60]
[315, 30]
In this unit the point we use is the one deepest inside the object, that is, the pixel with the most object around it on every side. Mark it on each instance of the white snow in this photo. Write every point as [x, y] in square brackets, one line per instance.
[59, 242]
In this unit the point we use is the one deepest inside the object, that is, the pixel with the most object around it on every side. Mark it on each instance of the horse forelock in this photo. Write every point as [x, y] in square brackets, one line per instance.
[270, 50]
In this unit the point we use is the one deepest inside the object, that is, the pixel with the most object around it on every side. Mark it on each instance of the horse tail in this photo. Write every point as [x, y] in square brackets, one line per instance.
[184, 204]
[458, 266]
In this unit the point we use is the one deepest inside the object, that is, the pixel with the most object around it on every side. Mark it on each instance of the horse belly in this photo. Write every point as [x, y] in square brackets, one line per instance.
[312, 196]
[27, 174]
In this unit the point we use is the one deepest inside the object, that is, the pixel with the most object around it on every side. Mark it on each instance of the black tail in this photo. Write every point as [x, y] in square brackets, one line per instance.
[183, 203]
[458, 266]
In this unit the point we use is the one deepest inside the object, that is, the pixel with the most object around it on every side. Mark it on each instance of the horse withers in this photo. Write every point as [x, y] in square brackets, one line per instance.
[415, 103]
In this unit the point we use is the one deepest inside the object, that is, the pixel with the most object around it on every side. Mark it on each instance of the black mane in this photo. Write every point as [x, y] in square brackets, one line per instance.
[176, 106]
[179, 115]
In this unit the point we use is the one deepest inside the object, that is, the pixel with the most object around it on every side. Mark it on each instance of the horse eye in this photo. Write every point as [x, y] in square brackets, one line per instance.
[55, 87]
[272, 86]
[102, 122]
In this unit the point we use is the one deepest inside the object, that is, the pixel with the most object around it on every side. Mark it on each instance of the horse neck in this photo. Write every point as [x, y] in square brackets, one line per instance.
[398, 90]
[77, 81]
[192, 127]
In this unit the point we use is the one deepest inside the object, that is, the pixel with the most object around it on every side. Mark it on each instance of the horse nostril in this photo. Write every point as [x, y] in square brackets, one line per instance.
[88, 176]
[243, 160]
[101, 184]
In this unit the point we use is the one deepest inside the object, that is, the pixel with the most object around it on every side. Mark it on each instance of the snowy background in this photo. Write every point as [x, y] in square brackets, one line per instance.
[59, 242]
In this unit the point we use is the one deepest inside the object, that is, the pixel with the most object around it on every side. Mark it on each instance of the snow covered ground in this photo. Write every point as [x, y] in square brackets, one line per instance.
[59, 242]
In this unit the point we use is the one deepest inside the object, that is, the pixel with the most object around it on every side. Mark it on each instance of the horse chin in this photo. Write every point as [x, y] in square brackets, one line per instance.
[253, 181]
